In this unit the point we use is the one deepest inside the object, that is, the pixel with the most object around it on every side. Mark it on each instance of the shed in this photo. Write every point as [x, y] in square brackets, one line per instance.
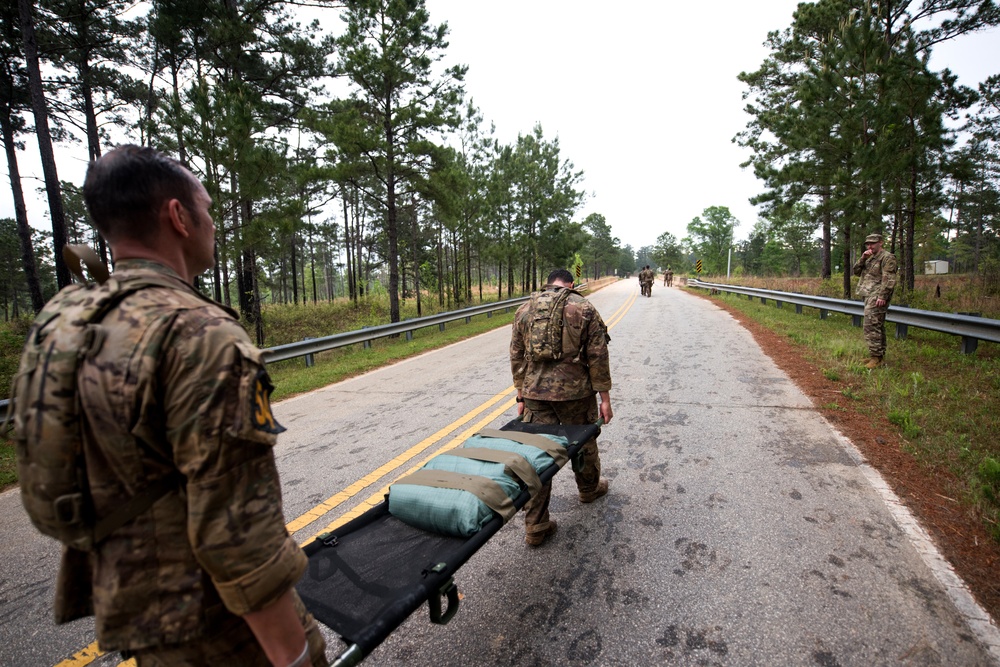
[935, 267]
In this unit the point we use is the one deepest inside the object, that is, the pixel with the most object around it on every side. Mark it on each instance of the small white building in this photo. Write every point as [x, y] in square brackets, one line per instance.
[935, 267]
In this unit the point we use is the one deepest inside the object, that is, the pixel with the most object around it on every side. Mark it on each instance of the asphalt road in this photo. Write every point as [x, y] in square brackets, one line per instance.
[741, 528]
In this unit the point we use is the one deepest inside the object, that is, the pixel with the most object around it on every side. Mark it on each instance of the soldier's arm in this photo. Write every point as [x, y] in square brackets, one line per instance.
[518, 363]
[222, 433]
[598, 360]
[889, 277]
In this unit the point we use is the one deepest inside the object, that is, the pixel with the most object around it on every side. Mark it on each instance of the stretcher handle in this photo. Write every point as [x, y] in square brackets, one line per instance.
[450, 590]
[352, 656]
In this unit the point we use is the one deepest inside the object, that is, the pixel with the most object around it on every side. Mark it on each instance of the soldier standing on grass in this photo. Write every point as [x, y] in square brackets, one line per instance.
[562, 391]
[877, 268]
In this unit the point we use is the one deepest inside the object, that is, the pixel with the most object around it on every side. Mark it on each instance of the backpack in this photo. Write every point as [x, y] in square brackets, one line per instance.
[48, 429]
[544, 339]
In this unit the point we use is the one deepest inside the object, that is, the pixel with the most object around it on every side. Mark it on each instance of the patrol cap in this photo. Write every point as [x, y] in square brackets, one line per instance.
[873, 238]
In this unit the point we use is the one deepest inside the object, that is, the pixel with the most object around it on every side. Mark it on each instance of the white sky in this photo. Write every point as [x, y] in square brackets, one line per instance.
[642, 96]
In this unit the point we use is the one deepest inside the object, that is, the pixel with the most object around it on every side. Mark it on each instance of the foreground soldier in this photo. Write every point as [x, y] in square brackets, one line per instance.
[175, 390]
[561, 391]
[877, 268]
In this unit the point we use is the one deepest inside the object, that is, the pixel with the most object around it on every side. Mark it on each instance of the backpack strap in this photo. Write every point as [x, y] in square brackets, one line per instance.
[74, 254]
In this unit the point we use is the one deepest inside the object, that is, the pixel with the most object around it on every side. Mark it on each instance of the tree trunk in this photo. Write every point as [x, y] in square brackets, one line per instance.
[21, 215]
[847, 261]
[295, 274]
[825, 249]
[39, 107]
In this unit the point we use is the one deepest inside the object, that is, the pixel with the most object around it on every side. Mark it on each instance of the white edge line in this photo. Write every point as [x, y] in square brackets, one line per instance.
[978, 619]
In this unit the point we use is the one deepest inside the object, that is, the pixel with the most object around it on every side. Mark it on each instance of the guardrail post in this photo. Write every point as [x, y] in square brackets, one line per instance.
[798, 309]
[822, 313]
[309, 357]
[969, 344]
[409, 335]
[441, 327]
[763, 300]
[750, 297]
[857, 320]
[778, 303]
[489, 314]
[367, 344]
[901, 330]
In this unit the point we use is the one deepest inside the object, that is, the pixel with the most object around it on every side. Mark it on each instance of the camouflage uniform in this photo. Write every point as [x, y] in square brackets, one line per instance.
[177, 386]
[646, 277]
[878, 279]
[563, 391]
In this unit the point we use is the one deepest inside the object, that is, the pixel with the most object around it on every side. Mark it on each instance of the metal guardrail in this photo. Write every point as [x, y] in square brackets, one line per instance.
[364, 336]
[971, 328]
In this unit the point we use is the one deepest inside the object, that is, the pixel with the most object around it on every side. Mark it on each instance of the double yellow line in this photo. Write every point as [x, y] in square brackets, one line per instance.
[501, 403]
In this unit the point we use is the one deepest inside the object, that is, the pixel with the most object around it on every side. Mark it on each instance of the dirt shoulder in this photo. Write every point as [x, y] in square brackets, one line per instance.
[960, 536]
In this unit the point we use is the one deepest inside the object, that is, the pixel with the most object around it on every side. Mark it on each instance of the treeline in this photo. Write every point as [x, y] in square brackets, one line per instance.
[338, 162]
[851, 132]
[851, 127]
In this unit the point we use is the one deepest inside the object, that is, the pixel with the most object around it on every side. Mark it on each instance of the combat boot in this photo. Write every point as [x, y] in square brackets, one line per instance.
[874, 362]
[591, 496]
[536, 538]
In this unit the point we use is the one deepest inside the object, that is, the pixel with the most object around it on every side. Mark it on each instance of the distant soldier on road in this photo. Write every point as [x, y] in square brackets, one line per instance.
[668, 277]
[646, 277]
[562, 390]
[877, 268]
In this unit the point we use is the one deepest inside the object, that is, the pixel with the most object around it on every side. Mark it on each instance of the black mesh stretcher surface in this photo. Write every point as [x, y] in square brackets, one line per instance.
[365, 578]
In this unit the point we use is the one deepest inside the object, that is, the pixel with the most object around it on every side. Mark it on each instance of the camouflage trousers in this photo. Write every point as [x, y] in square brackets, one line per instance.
[874, 327]
[231, 643]
[588, 476]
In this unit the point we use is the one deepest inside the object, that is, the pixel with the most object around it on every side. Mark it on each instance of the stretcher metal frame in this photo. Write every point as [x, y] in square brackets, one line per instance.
[430, 581]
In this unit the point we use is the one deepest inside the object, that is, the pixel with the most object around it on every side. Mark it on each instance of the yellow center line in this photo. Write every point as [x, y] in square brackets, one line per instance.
[354, 489]
[92, 652]
[377, 497]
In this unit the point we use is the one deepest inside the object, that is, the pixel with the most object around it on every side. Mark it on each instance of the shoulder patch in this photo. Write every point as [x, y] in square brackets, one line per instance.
[260, 405]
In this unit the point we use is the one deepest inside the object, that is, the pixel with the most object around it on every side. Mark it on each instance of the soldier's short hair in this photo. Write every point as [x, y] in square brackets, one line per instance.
[125, 189]
[562, 275]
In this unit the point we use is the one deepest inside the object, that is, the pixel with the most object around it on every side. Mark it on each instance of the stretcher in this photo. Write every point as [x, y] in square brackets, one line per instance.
[371, 574]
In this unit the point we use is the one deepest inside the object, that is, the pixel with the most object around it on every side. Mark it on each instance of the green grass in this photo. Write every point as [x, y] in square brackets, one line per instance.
[943, 403]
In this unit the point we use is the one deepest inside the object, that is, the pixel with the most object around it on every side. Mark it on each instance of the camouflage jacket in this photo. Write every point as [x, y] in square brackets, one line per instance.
[878, 275]
[646, 276]
[584, 368]
[177, 386]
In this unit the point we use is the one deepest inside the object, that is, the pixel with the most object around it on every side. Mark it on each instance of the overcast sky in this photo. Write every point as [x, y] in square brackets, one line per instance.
[642, 96]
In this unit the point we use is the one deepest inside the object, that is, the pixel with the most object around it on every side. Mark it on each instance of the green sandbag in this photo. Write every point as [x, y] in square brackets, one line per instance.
[538, 459]
[458, 512]
[448, 511]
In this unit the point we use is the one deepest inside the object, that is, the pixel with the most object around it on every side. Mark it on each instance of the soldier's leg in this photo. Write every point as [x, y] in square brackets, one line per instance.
[874, 328]
[588, 472]
[537, 523]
